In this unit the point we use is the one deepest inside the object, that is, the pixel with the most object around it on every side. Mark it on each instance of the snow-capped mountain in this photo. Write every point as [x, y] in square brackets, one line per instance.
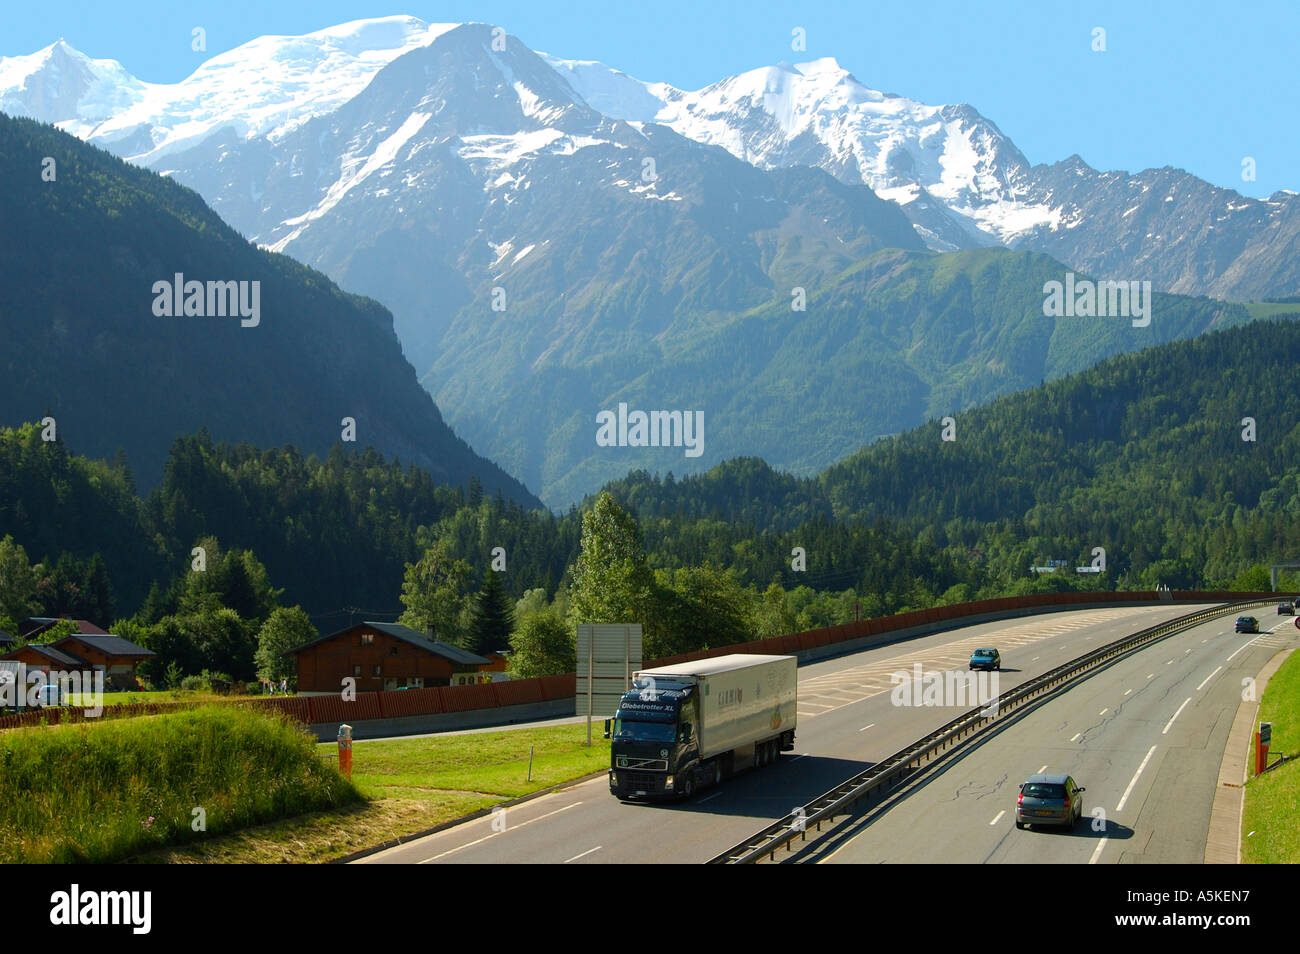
[265, 87]
[555, 238]
[63, 86]
[818, 114]
[957, 178]
[963, 183]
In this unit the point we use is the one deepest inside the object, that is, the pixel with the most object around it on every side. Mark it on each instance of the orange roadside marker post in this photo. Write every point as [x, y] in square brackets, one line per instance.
[345, 750]
[1263, 738]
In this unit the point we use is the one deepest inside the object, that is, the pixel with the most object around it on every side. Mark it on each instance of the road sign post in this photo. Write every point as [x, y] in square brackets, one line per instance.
[608, 654]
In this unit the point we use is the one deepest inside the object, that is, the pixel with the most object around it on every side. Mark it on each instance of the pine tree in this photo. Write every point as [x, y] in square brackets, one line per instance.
[494, 617]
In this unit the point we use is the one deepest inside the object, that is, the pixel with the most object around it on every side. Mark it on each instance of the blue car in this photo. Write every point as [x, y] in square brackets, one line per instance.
[1247, 624]
[986, 659]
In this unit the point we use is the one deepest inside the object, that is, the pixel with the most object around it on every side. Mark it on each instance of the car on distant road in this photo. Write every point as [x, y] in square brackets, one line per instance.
[1247, 624]
[986, 659]
[1286, 608]
[1049, 800]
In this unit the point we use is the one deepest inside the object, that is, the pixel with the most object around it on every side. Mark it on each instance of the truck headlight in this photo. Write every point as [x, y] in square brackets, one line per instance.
[613, 779]
[668, 783]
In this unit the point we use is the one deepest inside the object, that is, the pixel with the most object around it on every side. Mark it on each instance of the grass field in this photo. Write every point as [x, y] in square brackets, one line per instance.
[411, 785]
[1273, 800]
[104, 791]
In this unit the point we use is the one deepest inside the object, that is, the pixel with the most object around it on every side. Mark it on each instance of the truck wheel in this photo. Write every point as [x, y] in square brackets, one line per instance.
[688, 785]
[717, 773]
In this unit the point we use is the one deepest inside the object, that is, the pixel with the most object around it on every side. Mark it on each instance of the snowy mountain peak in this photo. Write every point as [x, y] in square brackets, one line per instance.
[267, 86]
[59, 84]
[826, 64]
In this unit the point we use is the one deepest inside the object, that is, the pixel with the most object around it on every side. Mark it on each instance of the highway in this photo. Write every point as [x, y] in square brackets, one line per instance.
[847, 721]
[1145, 737]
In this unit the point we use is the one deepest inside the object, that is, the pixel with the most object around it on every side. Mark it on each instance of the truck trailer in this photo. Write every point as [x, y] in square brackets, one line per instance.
[685, 727]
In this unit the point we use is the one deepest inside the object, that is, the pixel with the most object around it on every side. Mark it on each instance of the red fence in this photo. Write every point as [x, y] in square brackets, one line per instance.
[412, 702]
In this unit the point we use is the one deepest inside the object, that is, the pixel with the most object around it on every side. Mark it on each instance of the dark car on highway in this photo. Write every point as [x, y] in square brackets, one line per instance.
[1247, 624]
[1049, 800]
[1286, 608]
[986, 659]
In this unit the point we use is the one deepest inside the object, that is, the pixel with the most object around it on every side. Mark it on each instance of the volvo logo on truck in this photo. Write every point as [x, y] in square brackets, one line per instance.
[701, 726]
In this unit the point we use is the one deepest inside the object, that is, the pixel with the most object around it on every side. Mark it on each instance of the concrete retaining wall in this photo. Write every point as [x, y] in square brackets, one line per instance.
[446, 721]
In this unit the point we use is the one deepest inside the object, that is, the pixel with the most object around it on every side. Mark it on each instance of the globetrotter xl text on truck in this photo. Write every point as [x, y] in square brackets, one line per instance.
[681, 728]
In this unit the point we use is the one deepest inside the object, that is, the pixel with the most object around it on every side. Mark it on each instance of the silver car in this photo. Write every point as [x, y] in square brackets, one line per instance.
[1049, 800]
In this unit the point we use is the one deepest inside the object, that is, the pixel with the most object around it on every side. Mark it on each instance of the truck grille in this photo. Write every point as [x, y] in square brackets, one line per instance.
[632, 762]
[642, 781]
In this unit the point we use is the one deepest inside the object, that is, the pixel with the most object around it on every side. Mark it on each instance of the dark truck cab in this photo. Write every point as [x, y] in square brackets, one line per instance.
[653, 742]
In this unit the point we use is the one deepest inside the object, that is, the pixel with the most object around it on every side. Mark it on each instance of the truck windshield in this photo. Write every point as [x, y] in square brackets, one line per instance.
[631, 731]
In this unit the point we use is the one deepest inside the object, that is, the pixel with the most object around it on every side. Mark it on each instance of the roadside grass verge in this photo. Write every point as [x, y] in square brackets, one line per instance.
[103, 791]
[410, 785]
[1273, 799]
[75, 699]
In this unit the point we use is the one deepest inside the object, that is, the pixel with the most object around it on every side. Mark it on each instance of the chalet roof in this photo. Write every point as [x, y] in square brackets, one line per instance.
[109, 644]
[34, 625]
[53, 655]
[406, 635]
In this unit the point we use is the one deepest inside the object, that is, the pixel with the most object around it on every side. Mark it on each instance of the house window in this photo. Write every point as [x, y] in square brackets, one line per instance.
[356, 670]
[393, 651]
[367, 639]
[378, 670]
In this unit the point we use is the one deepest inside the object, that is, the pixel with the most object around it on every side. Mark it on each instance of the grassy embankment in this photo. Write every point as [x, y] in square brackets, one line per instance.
[410, 785]
[1273, 799]
[271, 794]
[80, 700]
[103, 791]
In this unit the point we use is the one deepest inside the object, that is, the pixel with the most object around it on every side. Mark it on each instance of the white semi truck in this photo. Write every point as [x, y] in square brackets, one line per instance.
[684, 727]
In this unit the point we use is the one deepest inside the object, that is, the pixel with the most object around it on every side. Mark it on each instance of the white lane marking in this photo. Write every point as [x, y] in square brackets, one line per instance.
[1186, 651]
[709, 799]
[798, 757]
[1036, 658]
[1204, 640]
[1042, 770]
[1207, 679]
[866, 727]
[997, 818]
[1104, 711]
[1170, 663]
[1136, 775]
[1096, 852]
[584, 854]
[1176, 714]
[470, 844]
[1076, 735]
[1127, 691]
[1252, 642]
[1151, 675]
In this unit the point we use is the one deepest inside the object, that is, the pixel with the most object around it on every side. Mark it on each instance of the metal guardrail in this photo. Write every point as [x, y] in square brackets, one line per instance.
[892, 770]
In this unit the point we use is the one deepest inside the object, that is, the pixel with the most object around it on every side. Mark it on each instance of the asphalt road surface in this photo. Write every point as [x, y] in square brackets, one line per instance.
[1145, 737]
[846, 721]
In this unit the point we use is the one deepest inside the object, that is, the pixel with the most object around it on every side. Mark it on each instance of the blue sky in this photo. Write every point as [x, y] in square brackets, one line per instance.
[1196, 85]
